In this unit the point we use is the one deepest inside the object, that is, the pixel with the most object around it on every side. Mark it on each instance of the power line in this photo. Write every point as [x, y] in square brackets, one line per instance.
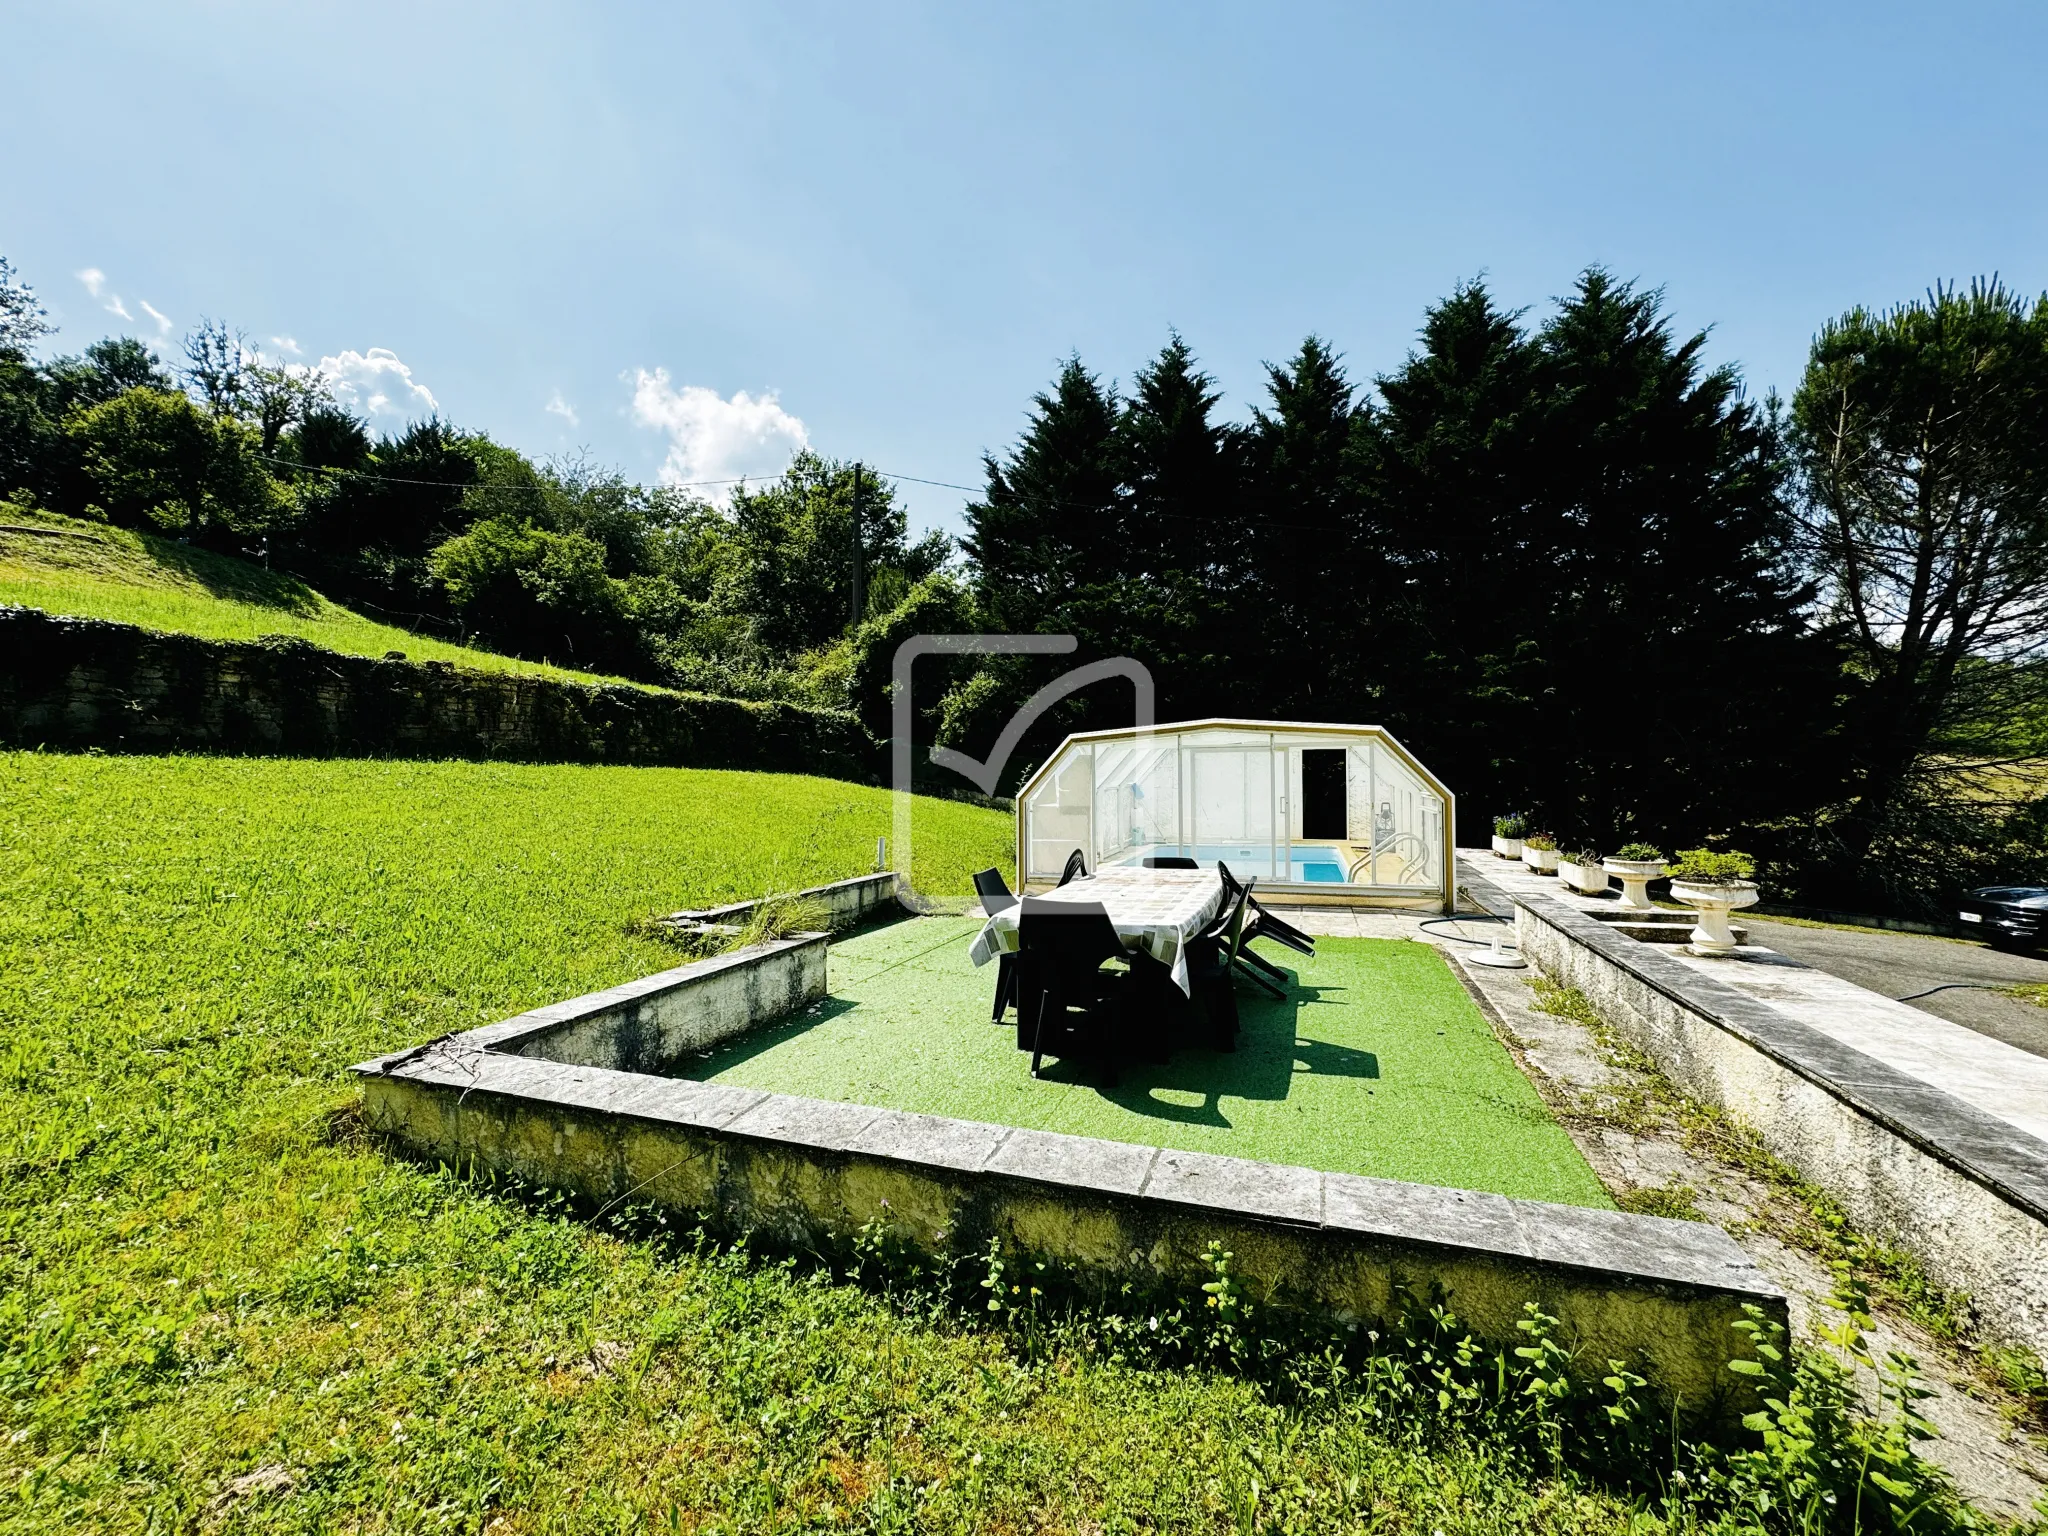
[1034, 500]
[448, 485]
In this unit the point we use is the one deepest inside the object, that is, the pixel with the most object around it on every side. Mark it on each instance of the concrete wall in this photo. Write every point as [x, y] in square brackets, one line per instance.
[564, 1096]
[83, 683]
[808, 1174]
[1962, 1191]
[846, 903]
[652, 1024]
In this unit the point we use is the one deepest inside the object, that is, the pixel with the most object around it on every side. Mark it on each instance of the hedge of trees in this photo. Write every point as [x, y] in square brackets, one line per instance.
[1579, 570]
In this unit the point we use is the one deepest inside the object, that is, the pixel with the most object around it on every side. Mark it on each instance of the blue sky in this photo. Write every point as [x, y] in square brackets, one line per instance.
[684, 237]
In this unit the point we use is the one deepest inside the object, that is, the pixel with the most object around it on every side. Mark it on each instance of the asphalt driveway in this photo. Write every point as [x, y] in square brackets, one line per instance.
[1897, 964]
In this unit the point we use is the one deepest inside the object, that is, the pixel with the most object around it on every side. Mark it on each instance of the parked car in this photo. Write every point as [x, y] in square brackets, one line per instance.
[2006, 916]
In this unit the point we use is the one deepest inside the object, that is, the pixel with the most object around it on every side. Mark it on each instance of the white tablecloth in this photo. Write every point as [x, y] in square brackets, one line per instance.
[1156, 910]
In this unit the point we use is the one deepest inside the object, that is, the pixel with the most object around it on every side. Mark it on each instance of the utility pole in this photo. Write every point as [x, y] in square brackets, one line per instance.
[859, 555]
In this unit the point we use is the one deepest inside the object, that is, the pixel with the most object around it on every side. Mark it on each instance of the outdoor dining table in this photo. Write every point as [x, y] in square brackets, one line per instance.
[1155, 911]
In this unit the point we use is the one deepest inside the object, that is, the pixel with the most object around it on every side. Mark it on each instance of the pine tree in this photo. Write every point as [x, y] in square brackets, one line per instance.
[1674, 643]
[1053, 507]
[1310, 571]
[1446, 469]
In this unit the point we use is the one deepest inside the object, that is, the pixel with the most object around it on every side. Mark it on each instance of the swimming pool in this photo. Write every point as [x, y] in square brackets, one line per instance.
[1307, 864]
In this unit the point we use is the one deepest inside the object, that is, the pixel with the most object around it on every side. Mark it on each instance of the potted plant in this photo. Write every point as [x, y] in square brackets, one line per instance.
[1582, 872]
[1539, 853]
[1634, 866]
[1715, 884]
[1507, 836]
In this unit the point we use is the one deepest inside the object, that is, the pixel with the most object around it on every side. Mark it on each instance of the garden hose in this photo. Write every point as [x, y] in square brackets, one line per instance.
[1981, 986]
[1468, 917]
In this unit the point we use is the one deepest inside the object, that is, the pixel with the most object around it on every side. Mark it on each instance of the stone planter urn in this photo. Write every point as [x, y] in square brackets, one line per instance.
[1714, 899]
[1506, 847]
[1586, 879]
[1634, 877]
[1539, 861]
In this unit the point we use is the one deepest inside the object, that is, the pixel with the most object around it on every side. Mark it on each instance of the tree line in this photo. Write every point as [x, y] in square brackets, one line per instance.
[445, 530]
[1586, 577]
[1577, 569]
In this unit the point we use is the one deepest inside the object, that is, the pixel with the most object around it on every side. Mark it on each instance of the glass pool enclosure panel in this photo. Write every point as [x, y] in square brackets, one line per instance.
[1296, 806]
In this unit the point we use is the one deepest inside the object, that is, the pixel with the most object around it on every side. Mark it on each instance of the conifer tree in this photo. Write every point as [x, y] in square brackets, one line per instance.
[1053, 508]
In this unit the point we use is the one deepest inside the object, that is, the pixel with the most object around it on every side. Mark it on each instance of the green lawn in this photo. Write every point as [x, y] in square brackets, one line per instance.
[220, 1309]
[1378, 1063]
[98, 572]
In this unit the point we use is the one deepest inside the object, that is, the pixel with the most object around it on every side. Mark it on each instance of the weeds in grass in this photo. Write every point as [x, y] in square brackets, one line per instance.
[1815, 1464]
[2035, 992]
[778, 917]
[775, 917]
[1675, 1200]
[1647, 1102]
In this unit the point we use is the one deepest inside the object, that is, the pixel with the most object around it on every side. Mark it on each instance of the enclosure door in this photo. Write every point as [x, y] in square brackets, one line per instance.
[1323, 812]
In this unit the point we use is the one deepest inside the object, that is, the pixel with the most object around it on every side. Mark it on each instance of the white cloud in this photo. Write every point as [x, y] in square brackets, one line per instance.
[376, 383]
[96, 286]
[287, 344]
[95, 282]
[557, 406]
[712, 438]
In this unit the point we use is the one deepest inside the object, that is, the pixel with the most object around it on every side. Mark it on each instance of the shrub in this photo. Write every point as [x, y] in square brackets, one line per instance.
[1542, 842]
[1704, 866]
[155, 460]
[1510, 826]
[1585, 858]
[1639, 851]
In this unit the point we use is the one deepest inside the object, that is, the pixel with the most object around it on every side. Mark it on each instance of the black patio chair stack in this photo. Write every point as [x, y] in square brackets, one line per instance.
[1077, 868]
[1077, 1004]
[1262, 924]
[994, 892]
[1213, 960]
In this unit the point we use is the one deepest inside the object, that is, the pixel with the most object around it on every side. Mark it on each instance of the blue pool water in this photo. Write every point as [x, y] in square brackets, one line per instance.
[1308, 864]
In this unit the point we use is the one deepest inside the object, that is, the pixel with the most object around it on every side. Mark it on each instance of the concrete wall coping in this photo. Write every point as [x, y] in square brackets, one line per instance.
[510, 1034]
[1690, 1256]
[1980, 1146]
[739, 911]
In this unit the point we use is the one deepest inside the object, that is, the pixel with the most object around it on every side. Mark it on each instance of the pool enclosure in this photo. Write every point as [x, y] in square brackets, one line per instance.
[1325, 813]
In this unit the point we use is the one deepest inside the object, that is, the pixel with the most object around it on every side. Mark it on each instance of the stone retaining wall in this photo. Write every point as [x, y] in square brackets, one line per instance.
[563, 1096]
[1963, 1191]
[72, 684]
[845, 903]
[652, 1024]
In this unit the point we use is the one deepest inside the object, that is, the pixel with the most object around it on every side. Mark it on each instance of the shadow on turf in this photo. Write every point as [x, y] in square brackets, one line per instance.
[1271, 1052]
[705, 1064]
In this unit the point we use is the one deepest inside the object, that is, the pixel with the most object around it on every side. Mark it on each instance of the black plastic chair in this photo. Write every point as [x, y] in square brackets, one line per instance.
[1170, 861]
[1212, 962]
[995, 895]
[1077, 868]
[1262, 924]
[1077, 1004]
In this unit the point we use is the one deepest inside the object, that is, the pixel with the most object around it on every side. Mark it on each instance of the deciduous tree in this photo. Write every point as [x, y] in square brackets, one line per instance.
[1922, 441]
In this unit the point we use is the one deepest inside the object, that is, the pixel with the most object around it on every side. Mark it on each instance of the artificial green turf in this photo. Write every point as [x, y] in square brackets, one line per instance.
[1377, 1063]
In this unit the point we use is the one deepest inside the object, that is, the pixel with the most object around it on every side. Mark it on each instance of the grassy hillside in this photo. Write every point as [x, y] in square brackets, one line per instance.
[62, 565]
[220, 1309]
